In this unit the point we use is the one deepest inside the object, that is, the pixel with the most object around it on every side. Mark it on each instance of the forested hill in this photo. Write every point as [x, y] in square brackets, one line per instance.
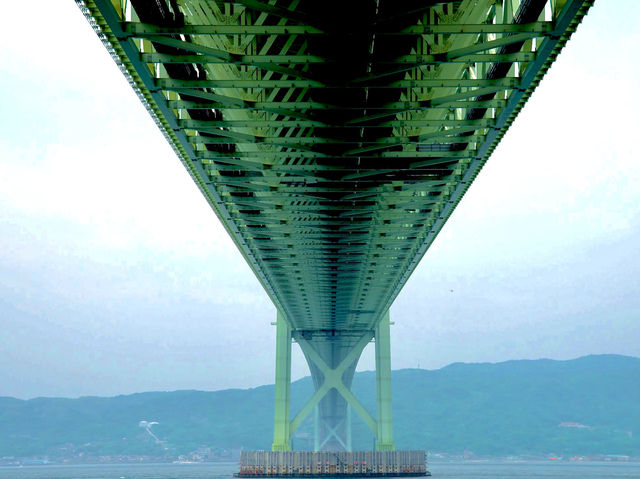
[589, 405]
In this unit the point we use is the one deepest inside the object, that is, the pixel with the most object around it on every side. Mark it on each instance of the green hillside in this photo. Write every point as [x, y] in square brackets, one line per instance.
[515, 407]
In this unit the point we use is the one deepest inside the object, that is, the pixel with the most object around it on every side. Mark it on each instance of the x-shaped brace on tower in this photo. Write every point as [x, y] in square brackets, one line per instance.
[333, 432]
[381, 428]
[333, 379]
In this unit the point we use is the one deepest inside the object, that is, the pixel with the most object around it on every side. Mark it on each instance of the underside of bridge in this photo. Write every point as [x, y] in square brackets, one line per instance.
[333, 139]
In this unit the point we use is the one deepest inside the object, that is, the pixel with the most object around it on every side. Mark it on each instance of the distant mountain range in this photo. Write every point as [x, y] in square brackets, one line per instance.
[589, 405]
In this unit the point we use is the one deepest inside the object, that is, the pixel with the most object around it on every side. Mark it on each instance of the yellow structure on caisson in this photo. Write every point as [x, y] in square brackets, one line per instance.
[333, 140]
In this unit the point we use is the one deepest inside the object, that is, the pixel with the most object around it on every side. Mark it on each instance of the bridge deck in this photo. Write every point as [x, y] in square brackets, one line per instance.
[334, 139]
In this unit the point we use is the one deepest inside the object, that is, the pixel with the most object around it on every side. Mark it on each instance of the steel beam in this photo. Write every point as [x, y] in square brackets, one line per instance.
[281, 434]
[384, 436]
[145, 30]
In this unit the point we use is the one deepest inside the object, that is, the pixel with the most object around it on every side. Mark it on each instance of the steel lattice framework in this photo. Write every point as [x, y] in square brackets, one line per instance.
[333, 139]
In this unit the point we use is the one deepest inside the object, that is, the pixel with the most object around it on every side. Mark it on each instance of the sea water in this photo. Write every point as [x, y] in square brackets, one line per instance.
[444, 470]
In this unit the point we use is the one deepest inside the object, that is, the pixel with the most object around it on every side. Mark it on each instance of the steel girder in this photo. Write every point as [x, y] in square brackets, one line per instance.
[334, 139]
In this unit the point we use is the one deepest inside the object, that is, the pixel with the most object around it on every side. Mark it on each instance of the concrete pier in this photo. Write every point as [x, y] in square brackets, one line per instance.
[333, 464]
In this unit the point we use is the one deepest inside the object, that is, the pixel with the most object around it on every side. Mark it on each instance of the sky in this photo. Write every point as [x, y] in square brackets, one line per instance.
[116, 277]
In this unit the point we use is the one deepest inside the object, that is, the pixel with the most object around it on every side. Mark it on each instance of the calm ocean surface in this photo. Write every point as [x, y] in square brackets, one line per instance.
[466, 470]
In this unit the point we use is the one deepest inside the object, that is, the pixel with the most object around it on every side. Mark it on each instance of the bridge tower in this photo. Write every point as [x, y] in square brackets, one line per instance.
[332, 357]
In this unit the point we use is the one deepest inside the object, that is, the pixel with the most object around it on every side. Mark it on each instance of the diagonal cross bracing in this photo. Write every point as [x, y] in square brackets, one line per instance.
[333, 379]
[334, 139]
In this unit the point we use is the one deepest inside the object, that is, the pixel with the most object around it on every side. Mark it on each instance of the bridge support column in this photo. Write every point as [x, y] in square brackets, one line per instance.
[384, 436]
[332, 371]
[281, 435]
[349, 447]
[316, 430]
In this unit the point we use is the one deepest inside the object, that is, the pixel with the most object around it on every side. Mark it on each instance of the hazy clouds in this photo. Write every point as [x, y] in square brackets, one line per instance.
[115, 276]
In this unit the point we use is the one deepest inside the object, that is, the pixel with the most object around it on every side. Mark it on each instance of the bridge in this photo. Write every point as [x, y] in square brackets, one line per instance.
[333, 139]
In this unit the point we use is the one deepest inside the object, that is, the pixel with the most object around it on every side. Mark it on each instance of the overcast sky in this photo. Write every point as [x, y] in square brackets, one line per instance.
[116, 277]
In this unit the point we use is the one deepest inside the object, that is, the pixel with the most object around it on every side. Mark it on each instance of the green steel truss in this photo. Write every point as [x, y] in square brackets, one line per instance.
[333, 140]
[333, 201]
